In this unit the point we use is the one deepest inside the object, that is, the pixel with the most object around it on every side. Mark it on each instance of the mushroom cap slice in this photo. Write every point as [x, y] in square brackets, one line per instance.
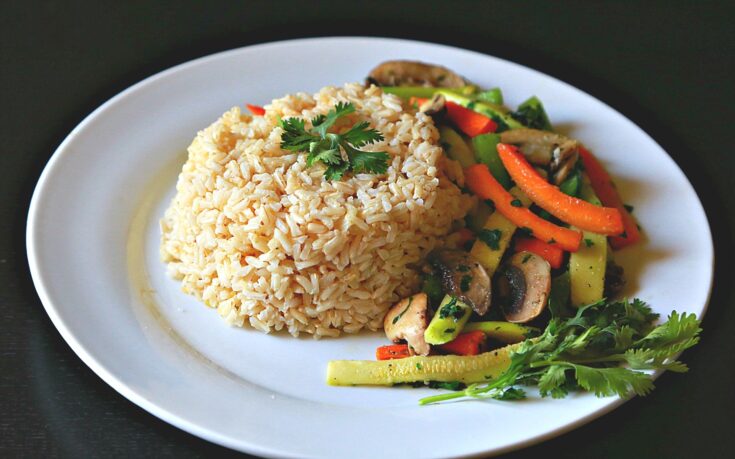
[407, 320]
[529, 281]
[545, 148]
[563, 160]
[434, 106]
[414, 73]
[463, 276]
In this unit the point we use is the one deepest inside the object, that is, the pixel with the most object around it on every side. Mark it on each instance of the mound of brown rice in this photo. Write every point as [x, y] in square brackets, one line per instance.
[269, 242]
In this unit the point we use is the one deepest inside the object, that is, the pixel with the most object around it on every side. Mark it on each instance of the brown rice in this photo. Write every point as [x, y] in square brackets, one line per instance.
[264, 239]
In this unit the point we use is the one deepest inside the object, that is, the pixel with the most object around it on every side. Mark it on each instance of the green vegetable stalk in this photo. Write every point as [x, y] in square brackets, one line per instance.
[531, 114]
[448, 321]
[494, 96]
[485, 146]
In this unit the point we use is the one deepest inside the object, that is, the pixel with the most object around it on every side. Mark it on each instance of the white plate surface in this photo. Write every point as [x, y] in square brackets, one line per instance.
[93, 250]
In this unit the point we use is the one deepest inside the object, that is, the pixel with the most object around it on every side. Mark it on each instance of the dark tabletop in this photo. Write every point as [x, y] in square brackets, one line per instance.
[666, 65]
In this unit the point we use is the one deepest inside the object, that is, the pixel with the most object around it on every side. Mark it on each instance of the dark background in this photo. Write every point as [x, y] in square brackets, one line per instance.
[666, 65]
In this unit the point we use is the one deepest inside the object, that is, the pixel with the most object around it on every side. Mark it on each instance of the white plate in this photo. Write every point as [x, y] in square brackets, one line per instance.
[93, 250]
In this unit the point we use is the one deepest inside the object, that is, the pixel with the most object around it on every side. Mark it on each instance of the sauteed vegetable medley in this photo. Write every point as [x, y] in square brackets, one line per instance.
[524, 292]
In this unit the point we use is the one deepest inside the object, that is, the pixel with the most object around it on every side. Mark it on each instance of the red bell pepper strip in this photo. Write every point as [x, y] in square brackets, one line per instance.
[554, 255]
[479, 179]
[571, 210]
[469, 121]
[465, 235]
[392, 351]
[605, 190]
[469, 343]
[255, 110]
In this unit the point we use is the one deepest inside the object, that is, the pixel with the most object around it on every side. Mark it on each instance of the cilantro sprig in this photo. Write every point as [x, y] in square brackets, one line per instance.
[339, 152]
[585, 352]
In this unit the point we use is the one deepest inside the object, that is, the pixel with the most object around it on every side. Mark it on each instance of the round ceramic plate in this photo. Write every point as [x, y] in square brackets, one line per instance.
[93, 250]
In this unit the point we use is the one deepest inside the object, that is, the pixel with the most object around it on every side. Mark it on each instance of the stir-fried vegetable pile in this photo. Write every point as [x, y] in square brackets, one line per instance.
[535, 254]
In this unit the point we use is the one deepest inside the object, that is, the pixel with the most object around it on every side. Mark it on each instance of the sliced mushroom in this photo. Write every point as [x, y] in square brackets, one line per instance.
[412, 73]
[545, 149]
[563, 161]
[434, 106]
[528, 278]
[407, 320]
[464, 277]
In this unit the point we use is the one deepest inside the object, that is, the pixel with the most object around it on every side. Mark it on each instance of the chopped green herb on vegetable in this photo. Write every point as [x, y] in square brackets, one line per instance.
[451, 309]
[525, 231]
[464, 283]
[490, 237]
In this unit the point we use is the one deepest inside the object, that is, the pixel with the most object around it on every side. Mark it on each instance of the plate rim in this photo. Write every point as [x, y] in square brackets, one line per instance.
[194, 428]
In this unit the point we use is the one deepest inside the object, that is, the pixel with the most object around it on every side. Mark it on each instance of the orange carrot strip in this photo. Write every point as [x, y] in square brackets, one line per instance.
[392, 351]
[605, 190]
[575, 211]
[469, 121]
[484, 185]
[468, 343]
[256, 110]
[416, 101]
[554, 255]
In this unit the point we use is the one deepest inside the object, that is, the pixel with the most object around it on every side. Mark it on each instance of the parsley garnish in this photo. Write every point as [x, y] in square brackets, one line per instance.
[509, 394]
[491, 238]
[328, 148]
[516, 203]
[589, 242]
[583, 352]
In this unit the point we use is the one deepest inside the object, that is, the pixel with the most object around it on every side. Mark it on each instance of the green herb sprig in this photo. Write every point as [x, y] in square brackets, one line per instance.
[585, 352]
[328, 148]
[491, 238]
